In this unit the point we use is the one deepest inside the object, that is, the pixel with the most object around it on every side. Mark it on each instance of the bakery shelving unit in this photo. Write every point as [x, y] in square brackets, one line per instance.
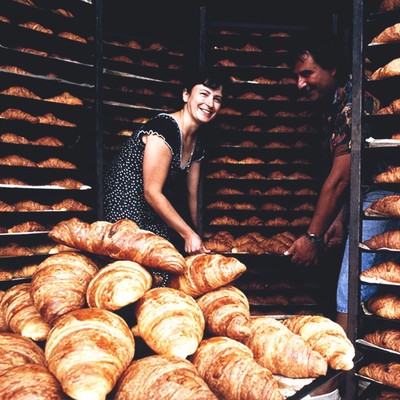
[260, 175]
[372, 21]
[48, 57]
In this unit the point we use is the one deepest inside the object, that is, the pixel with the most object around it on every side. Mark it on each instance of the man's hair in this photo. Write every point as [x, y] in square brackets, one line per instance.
[324, 47]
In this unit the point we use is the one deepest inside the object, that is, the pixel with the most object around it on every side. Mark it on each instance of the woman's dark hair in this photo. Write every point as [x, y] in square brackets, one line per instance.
[210, 77]
[324, 47]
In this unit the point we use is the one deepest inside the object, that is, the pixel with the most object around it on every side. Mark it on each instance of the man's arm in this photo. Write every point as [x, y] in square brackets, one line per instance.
[330, 202]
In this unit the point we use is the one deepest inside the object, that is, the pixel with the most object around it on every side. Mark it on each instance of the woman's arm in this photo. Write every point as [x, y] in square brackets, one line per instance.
[156, 164]
[193, 180]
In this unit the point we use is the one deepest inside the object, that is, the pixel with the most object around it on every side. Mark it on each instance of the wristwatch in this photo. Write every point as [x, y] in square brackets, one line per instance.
[312, 238]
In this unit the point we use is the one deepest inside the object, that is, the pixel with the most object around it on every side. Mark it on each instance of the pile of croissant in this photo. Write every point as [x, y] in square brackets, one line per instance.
[73, 329]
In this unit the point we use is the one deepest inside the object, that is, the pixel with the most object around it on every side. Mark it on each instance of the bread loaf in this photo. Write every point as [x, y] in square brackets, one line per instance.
[326, 337]
[88, 350]
[169, 321]
[21, 314]
[122, 240]
[229, 369]
[206, 272]
[226, 311]
[384, 305]
[118, 284]
[162, 377]
[59, 285]
[283, 352]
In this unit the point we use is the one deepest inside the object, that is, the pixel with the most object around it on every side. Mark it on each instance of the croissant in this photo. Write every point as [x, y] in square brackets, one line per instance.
[206, 272]
[163, 377]
[169, 321]
[389, 70]
[283, 352]
[389, 34]
[51, 119]
[15, 113]
[59, 285]
[70, 205]
[388, 271]
[88, 350]
[56, 163]
[65, 98]
[4, 207]
[13, 138]
[388, 239]
[386, 338]
[36, 27]
[388, 374]
[392, 108]
[387, 5]
[20, 92]
[17, 161]
[229, 369]
[30, 205]
[21, 314]
[226, 311]
[16, 350]
[29, 226]
[72, 36]
[326, 337]
[47, 141]
[15, 250]
[118, 284]
[121, 240]
[14, 69]
[385, 306]
[33, 381]
[220, 205]
[388, 205]
[67, 183]
[224, 220]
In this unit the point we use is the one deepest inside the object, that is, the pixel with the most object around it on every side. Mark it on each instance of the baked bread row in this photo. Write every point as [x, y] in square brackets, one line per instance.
[30, 205]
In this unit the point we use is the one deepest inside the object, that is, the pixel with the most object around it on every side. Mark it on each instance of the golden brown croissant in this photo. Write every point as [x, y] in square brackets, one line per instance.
[29, 226]
[388, 271]
[227, 190]
[392, 108]
[21, 314]
[226, 311]
[47, 141]
[54, 162]
[59, 285]
[13, 138]
[206, 272]
[65, 98]
[220, 205]
[389, 34]
[15, 113]
[72, 36]
[169, 321]
[20, 92]
[118, 284]
[164, 377]
[386, 338]
[388, 239]
[18, 350]
[30, 205]
[388, 374]
[36, 27]
[326, 337]
[67, 183]
[389, 70]
[385, 306]
[4, 207]
[14, 69]
[283, 352]
[33, 381]
[3, 323]
[122, 240]
[229, 369]
[15, 250]
[224, 220]
[17, 161]
[51, 119]
[88, 350]
[388, 205]
[70, 205]
[387, 5]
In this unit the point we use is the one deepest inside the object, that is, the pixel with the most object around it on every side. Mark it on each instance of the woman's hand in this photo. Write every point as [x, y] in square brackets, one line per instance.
[194, 244]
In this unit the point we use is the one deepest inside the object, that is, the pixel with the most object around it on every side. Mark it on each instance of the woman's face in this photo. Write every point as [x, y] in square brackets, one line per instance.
[203, 103]
[316, 82]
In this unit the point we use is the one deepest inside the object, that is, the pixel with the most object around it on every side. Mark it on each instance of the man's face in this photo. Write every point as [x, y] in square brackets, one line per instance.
[315, 82]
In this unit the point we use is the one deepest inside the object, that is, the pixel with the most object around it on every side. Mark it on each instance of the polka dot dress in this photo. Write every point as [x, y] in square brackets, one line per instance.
[123, 181]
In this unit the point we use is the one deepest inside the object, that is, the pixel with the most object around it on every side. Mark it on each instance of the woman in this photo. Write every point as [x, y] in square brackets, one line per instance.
[162, 160]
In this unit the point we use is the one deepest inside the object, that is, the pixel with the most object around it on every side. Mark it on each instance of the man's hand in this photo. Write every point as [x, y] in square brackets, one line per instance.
[335, 235]
[303, 252]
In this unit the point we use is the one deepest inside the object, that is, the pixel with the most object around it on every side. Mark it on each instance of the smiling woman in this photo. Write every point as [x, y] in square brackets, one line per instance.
[162, 160]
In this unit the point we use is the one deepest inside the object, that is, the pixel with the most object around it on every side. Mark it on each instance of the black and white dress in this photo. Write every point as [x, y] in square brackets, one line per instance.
[123, 184]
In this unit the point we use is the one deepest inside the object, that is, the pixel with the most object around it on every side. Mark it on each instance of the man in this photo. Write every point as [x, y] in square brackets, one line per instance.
[319, 65]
